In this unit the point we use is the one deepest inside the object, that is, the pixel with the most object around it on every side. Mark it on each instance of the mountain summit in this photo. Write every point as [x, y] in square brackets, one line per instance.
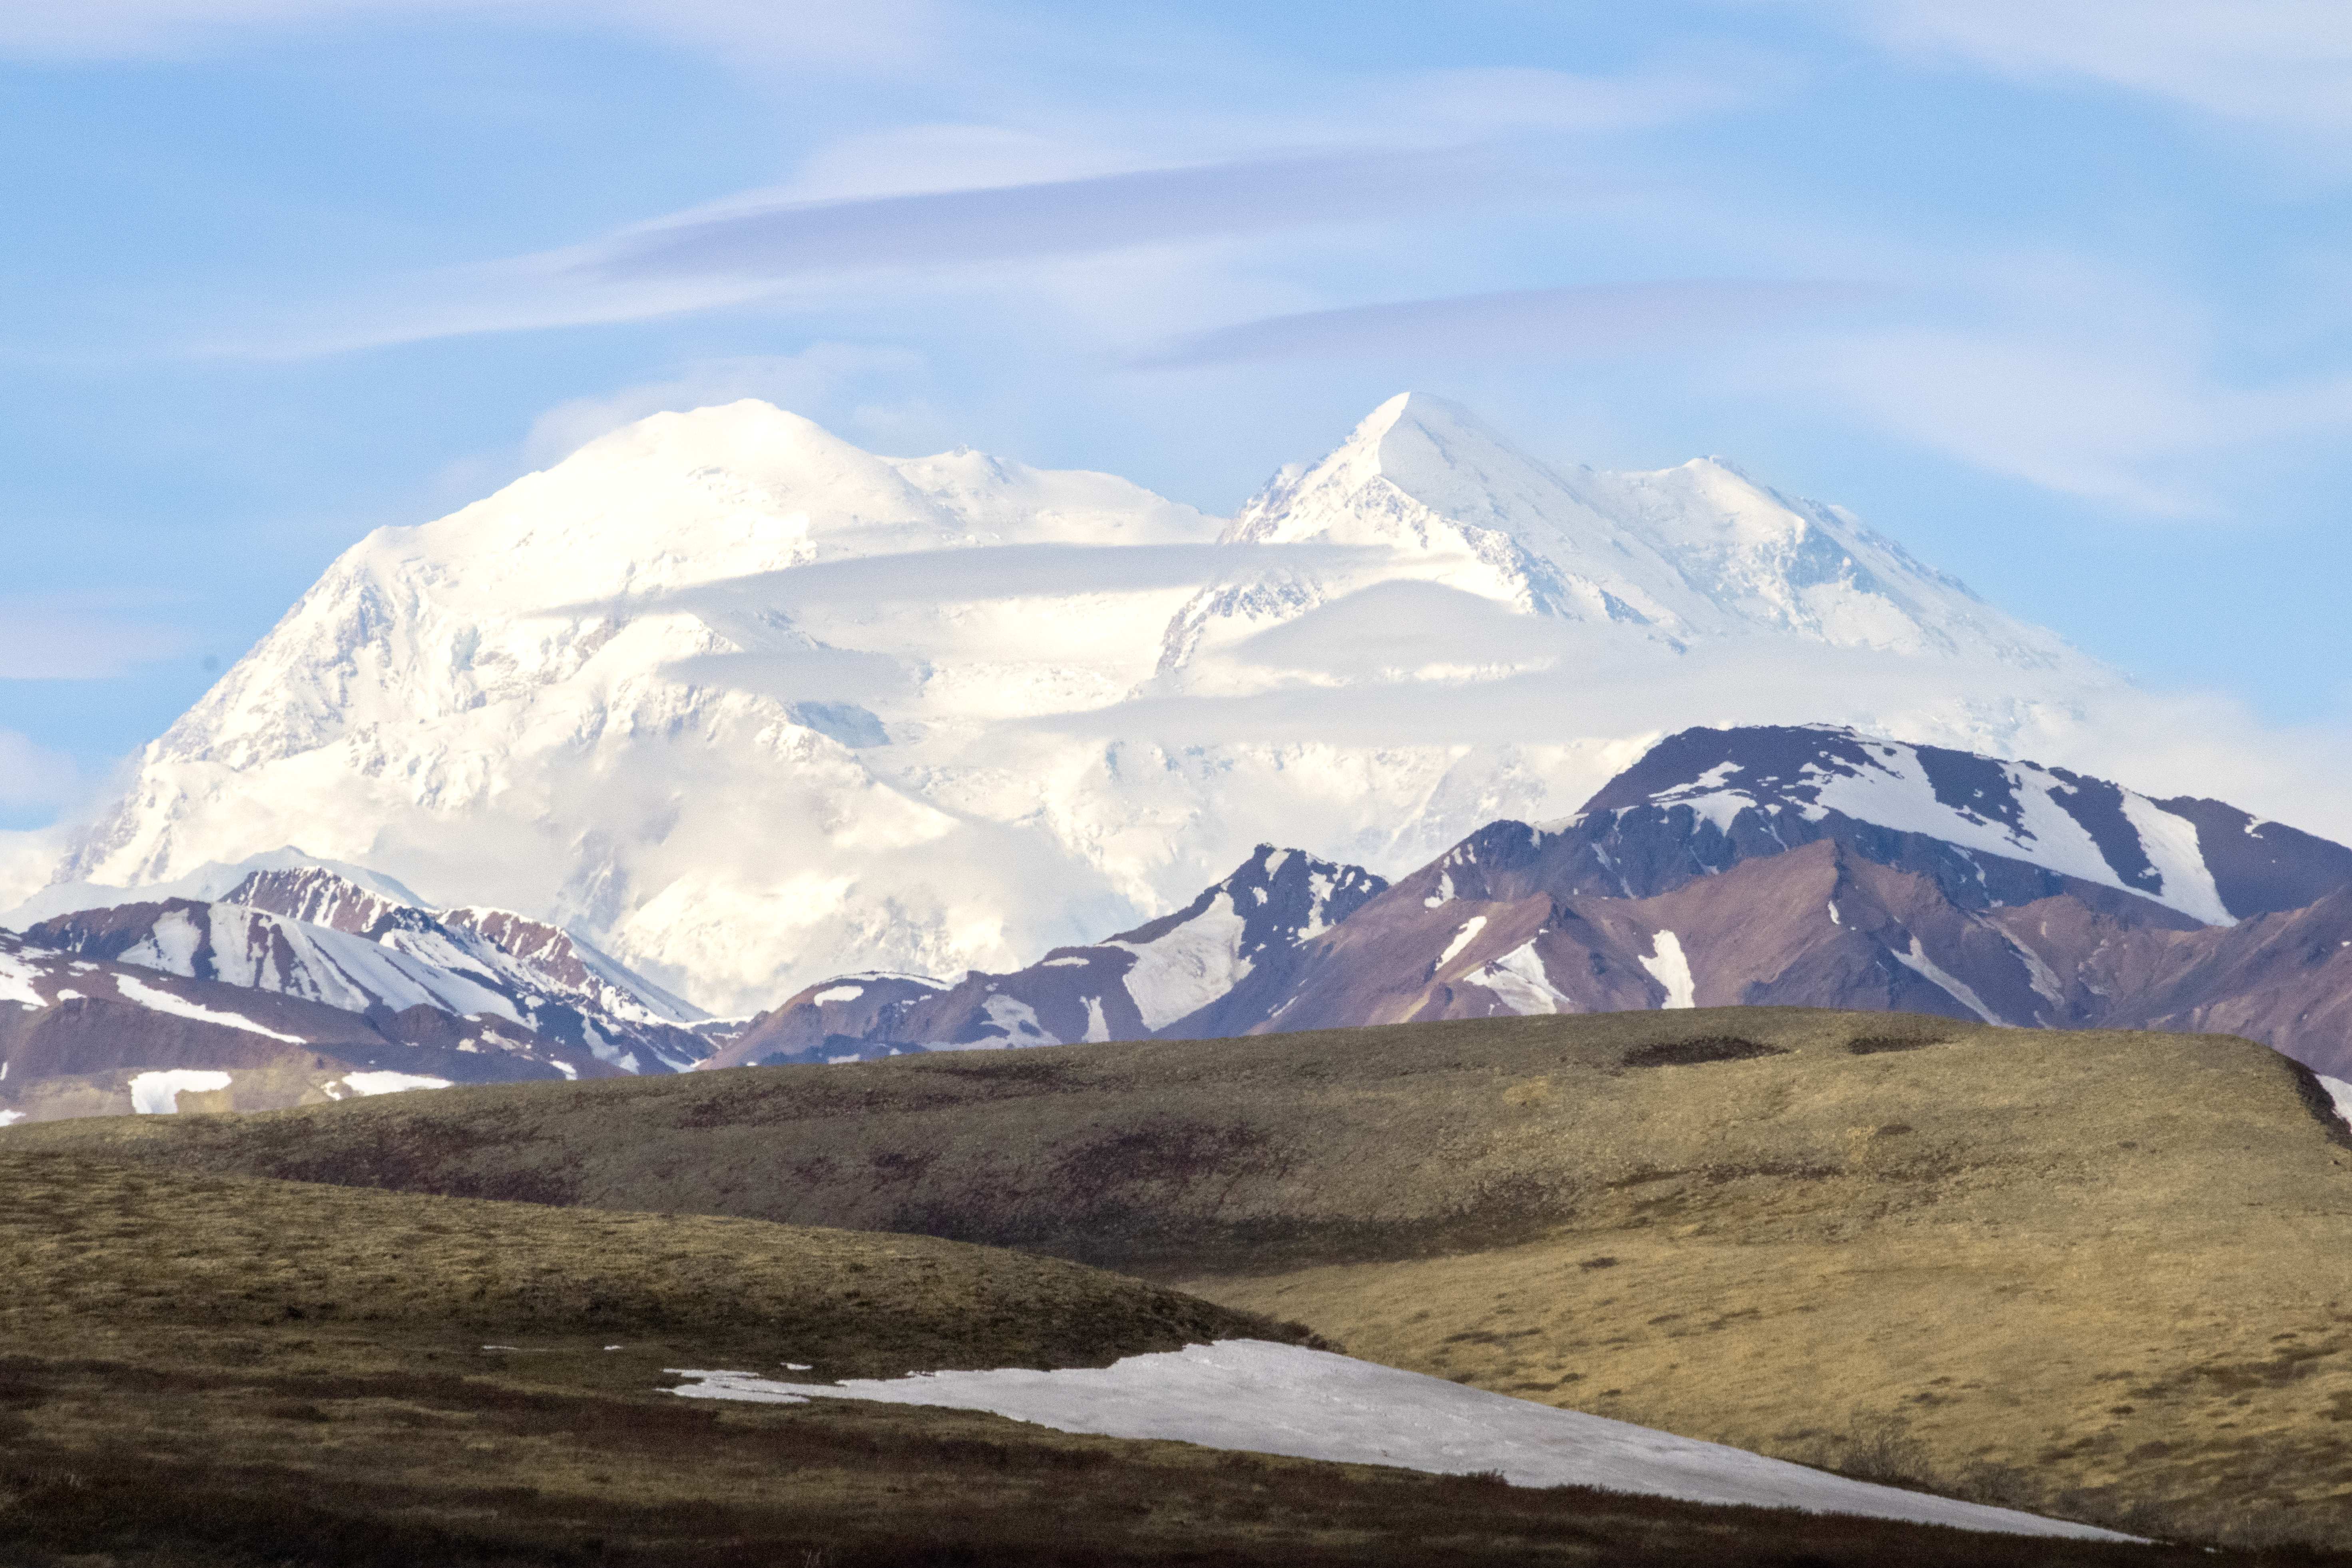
[743, 706]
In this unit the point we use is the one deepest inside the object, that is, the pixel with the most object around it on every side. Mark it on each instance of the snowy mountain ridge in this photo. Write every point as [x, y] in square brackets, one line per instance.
[743, 706]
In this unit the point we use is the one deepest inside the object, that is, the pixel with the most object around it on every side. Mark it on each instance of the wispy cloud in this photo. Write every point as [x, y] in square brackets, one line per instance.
[2143, 427]
[1064, 218]
[31, 776]
[1594, 319]
[873, 33]
[979, 573]
[2284, 64]
[76, 637]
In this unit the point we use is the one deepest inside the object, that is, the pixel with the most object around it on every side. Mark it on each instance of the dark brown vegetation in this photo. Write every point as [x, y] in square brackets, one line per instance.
[2102, 1274]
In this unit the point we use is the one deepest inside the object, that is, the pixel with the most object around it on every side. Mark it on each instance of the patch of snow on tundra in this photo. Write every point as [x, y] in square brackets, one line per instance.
[158, 1093]
[133, 990]
[1282, 1399]
[392, 1083]
[840, 994]
[1670, 967]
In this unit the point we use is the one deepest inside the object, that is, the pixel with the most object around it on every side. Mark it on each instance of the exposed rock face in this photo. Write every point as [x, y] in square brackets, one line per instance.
[1180, 975]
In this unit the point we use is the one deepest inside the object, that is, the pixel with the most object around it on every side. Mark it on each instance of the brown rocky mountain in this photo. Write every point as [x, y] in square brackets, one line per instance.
[1810, 867]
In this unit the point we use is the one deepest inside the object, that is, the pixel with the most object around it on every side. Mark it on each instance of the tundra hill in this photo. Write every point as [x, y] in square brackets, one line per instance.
[2091, 1273]
[236, 1373]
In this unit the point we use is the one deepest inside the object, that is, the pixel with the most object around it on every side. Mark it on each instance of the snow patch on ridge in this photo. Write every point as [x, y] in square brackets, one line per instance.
[1190, 967]
[2340, 1093]
[1519, 979]
[1462, 939]
[130, 989]
[1670, 967]
[1920, 963]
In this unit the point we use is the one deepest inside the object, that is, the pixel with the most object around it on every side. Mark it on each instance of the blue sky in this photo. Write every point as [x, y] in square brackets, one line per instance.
[2059, 294]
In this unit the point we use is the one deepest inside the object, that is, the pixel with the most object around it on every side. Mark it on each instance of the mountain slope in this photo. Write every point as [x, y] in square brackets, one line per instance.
[744, 706]
[313, 933]
[1179, 976]
[88, 1037]
[1816, 866]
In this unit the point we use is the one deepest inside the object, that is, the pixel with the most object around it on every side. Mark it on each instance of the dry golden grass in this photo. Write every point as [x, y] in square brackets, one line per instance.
[2108, 1274]
[200, 1370]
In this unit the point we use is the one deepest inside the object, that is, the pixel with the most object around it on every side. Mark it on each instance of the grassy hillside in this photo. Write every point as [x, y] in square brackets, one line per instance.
[232, 1372]
[2109, 1274]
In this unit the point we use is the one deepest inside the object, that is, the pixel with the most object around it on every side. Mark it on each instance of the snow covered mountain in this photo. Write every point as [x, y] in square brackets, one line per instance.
[85, 1037]
[744, 706]
[1175, 976]
[313, 933]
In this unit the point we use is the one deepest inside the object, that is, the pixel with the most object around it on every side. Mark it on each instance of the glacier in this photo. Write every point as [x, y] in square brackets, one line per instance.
[744, 706]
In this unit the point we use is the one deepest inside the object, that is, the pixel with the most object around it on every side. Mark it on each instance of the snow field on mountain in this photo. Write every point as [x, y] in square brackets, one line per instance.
[158, 1093]
[130, 989]
[1260, 1397]
[1670, 967]
[1190, 967]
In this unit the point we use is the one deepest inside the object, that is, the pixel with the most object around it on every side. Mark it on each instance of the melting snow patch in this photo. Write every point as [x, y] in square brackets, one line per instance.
[1098, 1027]
[158, 1093]
[10, 1118]
[131, 990]
[1519, 978]
[1190, 967]
[1462, 939]
[2341, 1093]
[1920, 963]
[392, 1083]
[1445, 892]
[1671, 968]
[570, 1073]
[1282, 1399]
[1067, 962]
[17, 982]
[840, 994]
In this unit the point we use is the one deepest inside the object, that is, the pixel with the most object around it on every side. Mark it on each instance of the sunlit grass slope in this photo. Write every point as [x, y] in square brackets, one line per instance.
[233, 1373]
[2104, 1274]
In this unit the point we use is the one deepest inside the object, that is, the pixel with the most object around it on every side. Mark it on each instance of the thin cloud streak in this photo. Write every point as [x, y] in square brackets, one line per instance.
[1066, 217]
[982, 574]
[1592, 320]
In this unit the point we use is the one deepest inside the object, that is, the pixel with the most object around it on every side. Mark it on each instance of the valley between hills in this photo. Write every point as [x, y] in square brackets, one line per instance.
[2095, 1274]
